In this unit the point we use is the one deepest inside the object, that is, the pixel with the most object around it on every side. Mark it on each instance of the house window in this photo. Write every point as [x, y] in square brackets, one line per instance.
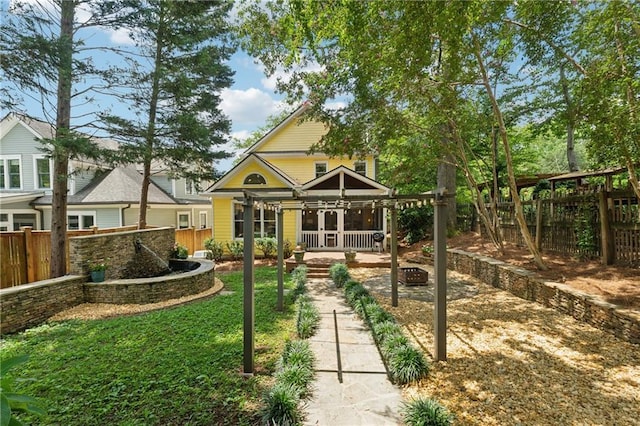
[203, 220]
[264, 222]
[360, 167]
[190, 187]
[184, 220]
[321, 168]
[43, 172]
[10, 176]
[362, 219]
[4, 222]
[81, 220]
[255, 179]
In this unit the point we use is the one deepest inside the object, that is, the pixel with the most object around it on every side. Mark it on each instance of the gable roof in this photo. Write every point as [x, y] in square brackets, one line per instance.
[350, 179]
[270, 134]
[118, 186]
[286, 180]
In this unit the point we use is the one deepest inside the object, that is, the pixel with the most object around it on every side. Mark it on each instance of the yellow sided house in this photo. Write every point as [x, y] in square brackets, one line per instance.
[279, 166]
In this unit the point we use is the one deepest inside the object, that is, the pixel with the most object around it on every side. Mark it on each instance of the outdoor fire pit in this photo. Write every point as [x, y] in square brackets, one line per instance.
[413, 276]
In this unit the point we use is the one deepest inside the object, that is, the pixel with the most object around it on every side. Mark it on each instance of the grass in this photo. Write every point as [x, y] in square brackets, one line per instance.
[172, 367]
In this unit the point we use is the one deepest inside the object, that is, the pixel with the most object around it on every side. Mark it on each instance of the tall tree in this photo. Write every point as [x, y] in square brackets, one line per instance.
[47, 34]
[174, 80]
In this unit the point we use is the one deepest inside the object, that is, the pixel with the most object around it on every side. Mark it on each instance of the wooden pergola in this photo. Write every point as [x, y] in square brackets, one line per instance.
[300, 200]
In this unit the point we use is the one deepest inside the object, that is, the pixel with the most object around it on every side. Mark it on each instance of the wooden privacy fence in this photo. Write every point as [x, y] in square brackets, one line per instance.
[25, 254]
[193, 238]
[600, 224]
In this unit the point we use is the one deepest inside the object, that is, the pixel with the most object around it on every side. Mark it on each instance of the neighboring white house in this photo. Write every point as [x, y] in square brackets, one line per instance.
[98, 195]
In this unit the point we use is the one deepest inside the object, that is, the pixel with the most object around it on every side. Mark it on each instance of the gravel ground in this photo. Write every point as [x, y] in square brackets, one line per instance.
[514, 362]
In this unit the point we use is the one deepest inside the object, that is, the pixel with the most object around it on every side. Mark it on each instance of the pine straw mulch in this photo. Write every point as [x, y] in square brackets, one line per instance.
[510, 361]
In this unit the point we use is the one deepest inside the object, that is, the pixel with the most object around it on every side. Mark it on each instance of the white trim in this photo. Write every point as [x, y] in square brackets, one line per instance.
[36, 175]
[315, 168]
[81, 214]
[242, 165]
[7, 180]
[10, 213]
[206, 219]
[180, 213]
[366, 167]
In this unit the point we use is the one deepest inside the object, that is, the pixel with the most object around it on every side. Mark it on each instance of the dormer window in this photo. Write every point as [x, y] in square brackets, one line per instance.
[255, 179]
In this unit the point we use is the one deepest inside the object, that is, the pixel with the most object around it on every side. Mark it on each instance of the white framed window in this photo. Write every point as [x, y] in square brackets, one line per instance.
[190, 187]
[42, 172]
[80, 220]
[14, 220]
[184, 220]
[264, 222]
[203, 219]
[10, 172]
[321, 168]
[360, 167]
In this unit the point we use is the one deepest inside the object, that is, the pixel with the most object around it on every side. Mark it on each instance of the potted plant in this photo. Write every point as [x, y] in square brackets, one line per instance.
[350, 255]
[298, 254]
[179, 251]
[97, 271]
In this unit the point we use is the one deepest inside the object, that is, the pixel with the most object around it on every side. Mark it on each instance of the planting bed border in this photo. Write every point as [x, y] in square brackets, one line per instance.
[614, 319]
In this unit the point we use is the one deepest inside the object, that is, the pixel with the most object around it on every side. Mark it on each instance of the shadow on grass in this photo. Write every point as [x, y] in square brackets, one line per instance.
[171, 367]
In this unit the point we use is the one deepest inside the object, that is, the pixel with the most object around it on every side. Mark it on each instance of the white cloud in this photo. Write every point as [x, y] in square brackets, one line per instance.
[248, 108]
[120, 37]
[271, 82]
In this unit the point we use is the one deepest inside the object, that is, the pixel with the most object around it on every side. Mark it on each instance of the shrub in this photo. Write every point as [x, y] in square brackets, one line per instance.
[308, 318]
[179, 251]
[287, 250]
[355, 293]
[216, 249]
[377, 314]
[390, 342]
[299, 276]
[384, 330]
[359, 304]
[415, 221]
[296, 376]
[407, 364]
[426, 412]
[339, 273]
[350, 284]
[236, 248]
[297, 352]
[268, 246]
[281, 406]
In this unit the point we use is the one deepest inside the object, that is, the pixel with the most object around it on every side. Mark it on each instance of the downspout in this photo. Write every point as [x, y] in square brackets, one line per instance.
[122, 209]
[41, 211]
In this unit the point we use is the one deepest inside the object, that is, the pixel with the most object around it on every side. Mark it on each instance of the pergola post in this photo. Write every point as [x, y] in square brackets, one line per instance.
[280, 237]
[394, 256]
[440, 272]
[248, 275]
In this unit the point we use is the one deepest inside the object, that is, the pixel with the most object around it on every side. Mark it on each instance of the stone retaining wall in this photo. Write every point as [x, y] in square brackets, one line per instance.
[28, 305]
[621, 322]
[152, 290]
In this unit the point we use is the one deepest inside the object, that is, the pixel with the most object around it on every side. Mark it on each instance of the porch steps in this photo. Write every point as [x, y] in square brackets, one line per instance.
[318, 271]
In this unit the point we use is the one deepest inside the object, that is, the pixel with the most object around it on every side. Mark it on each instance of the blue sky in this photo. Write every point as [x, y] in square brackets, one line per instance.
[248, 102]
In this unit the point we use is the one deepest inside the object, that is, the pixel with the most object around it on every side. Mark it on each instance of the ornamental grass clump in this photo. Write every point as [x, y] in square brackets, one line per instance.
[308, 317]
[426, 412]
[297, 352]
[407, 364]
[391, 342]
[339, 273]
[296, 376]
[299, 276]
[282, 406]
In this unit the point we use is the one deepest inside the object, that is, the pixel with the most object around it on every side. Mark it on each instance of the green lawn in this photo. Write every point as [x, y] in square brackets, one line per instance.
[173, 367]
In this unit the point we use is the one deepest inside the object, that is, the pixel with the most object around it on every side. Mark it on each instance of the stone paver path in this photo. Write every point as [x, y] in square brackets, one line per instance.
[365, 396]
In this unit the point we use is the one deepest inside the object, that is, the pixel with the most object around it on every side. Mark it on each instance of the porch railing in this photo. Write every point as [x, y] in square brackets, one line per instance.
[357, 240]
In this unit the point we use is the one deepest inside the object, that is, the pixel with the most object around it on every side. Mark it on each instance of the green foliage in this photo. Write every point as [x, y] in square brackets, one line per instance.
[407, 364]
[11, 402]
[339, 273]
[281, 405]
[426, 412]
[236, 248]
[175, 366]
[216, 249]
[299, 277]
[179, 251]
[415, 223]
[584, 227]
[299, 377]
[287, 249]
[308, 318]
[297, 352]
[268, 246]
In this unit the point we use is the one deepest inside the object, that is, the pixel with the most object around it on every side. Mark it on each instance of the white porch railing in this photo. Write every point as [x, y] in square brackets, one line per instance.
[356, 240]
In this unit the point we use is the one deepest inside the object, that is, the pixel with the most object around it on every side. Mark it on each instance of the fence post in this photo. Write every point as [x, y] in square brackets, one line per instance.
[539, 223]
[606, 237]
[28, 253]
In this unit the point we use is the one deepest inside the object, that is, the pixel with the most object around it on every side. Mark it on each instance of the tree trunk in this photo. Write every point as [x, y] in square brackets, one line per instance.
[58, 265]
[524, 230]
[571, 123]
